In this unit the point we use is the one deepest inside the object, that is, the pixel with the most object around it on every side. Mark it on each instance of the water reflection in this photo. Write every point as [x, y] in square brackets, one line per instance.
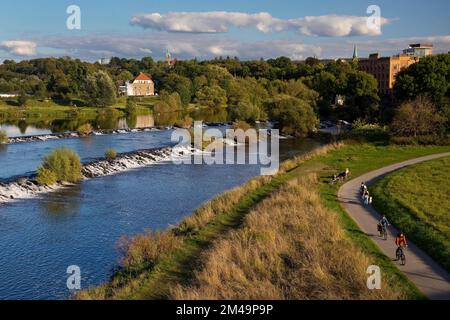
[107, 119]
[63, 203]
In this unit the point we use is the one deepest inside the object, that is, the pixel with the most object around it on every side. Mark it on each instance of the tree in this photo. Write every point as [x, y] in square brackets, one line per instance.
[100, 90]
[417, 117]
[430, 77]
[212, 96]
[362, 96]
[180, 84]
[292, 115]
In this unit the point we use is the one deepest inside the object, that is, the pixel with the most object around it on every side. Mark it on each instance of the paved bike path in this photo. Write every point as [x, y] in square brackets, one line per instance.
[428, 276]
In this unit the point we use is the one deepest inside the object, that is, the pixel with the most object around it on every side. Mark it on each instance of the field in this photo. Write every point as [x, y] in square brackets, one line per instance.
[416, 199]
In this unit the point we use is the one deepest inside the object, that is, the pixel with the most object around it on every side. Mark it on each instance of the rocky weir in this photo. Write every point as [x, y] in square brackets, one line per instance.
[74, 135]
[27, 187]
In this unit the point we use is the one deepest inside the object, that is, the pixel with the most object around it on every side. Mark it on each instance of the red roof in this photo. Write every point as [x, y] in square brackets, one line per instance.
[143, 77]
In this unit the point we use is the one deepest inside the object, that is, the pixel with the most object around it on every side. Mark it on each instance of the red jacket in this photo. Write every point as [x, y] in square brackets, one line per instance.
[401, 241]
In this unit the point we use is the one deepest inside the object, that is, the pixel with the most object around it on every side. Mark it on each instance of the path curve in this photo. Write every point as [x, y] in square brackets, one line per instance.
[425, 273]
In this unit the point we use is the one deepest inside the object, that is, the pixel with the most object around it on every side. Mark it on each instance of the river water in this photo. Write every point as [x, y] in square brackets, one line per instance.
[41, 237]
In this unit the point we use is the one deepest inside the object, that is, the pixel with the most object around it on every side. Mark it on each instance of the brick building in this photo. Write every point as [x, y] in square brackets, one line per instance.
[385, 69]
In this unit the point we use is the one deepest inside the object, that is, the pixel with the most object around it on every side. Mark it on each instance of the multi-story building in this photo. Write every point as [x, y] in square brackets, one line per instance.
[385, 69]
[419, 50]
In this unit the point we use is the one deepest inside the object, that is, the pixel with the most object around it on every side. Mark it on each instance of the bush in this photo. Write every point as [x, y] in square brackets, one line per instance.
[110, 154]
[85, 129]
[62, 165]
[186, 122]
[436, 140]
[3, 136]
[241, 125]
[46, 177]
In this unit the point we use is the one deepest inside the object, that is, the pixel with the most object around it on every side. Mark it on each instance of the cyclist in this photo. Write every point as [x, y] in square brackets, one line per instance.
[400, 242]
[383, 224]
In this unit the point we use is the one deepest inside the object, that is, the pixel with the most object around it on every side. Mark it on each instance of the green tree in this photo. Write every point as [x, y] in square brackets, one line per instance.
[100, 90]
[212, 96]
[292, 115]
[430, 77]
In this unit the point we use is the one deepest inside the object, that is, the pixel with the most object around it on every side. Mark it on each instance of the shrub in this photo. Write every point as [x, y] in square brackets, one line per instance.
[3, 136]
[85, 129]
[186, 122]
[241, 125]
[147, 248]
[46, 177]
[110, 154]
[436, 140]
[64, 164]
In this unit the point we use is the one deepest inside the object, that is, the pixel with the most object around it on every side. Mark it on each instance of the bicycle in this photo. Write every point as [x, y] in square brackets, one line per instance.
[383, 231]
[401, 256]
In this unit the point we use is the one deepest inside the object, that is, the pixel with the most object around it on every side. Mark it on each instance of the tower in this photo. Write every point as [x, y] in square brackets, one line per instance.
[168, 57]
[355, 53]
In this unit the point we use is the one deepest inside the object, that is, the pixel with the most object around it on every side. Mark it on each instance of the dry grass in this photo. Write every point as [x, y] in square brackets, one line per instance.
[142, 255]
[289, 247]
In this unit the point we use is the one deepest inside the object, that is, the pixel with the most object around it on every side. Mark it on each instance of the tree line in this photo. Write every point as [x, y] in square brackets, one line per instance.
[293, 93]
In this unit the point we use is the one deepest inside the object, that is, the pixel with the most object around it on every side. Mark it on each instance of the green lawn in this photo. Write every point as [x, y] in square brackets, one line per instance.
[416, 199]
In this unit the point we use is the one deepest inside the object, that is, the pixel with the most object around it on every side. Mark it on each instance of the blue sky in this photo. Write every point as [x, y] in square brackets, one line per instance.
[38, 28]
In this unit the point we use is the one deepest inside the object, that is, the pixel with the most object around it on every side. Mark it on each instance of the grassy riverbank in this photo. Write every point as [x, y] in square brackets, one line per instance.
[165, 265]
[416, 199]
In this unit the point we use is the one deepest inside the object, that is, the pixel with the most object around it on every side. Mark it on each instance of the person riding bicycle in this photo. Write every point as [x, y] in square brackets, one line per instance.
[383, 224]
[400, 242]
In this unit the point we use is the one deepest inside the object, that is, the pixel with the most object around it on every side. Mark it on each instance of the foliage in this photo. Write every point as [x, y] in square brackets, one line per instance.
[110, 154]
[100, 90]
[417, 117]
[430, 76]
[3, 137]
[293, 116]
[241, 125]
[131, 106]
[22, 99]
[212, 96]
[168, 103]
[62, 164]
[85, 129]
[46, 177]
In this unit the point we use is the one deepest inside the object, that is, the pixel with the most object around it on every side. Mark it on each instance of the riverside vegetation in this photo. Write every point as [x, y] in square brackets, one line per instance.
[61, 165]
[231, 248]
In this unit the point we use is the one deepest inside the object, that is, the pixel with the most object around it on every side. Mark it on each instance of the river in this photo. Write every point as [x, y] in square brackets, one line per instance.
[41, 237]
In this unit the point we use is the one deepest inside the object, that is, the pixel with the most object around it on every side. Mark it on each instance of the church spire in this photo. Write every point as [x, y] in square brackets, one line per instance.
[355, 52]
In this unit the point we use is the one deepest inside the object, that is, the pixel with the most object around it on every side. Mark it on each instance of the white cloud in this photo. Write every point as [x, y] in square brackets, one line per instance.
[19, 47]
[205, 46]
[222, 21]
[182, 46]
